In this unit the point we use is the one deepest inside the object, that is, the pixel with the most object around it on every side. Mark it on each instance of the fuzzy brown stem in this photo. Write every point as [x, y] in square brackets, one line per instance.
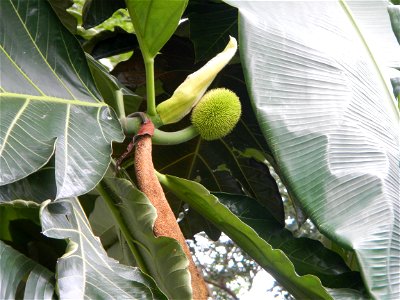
[165, 224]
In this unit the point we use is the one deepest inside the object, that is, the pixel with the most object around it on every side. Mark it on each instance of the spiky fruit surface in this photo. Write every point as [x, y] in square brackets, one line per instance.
[216, 114]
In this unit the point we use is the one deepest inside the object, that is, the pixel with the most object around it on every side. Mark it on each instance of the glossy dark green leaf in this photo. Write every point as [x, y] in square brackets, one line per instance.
[13, 211]
[316, 73]
[396, 88]
[97, 11]
[108, 43]
[85, 266]
[308, 256]
[35, 254]
[60, 8]
[394, 13]
[107, 230]
[15, 268]
[49, 103]
[163, 257]
[108, 85]
[273, 260]
[20, 228]
[191, 222]
[37, 187]
[155, 21]
[211, 24]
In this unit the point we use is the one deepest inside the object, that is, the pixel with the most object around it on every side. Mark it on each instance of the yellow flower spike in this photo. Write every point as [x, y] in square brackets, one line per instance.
[195, 85]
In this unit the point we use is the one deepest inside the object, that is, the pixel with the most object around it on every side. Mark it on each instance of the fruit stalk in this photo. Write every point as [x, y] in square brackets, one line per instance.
[131, 127]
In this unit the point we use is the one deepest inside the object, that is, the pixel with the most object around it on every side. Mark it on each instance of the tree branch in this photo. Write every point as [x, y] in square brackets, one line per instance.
[222, 287]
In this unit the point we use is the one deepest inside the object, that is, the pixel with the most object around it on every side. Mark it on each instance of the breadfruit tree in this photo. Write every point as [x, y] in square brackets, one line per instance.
[127, 127]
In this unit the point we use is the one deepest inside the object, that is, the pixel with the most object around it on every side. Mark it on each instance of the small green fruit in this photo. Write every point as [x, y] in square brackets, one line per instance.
[216, 114]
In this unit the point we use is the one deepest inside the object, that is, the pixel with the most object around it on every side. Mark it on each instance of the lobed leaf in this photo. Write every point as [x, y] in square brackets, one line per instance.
[85, 266]
[15, 267]
[38, 187]
[49, 103]
[14, 211]
[163, 257]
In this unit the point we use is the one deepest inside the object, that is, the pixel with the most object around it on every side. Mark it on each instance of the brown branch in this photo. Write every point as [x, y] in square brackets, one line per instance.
[223, 287]
[165, 224]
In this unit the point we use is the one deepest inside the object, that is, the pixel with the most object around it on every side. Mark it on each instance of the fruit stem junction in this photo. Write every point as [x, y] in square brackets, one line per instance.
[131, 127]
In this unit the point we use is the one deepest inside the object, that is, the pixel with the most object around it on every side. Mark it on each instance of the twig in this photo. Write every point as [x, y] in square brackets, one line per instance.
[222, 287]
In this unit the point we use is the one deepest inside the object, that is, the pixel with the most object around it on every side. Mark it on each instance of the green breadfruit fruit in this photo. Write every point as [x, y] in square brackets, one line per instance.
[216, 114]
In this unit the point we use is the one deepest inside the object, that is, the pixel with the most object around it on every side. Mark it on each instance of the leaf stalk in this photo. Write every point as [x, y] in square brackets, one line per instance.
[150, 90]
[118, 96]
[101, 188]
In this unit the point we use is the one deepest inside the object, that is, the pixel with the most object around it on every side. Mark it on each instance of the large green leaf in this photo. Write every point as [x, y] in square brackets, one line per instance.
[48, 102]
[308, 256]
[163, 257]
[394, 13]
[155, 21]
[111, 42]
[329, 116]
[60, 8]
[20, 228]
[15, 268]
[211, 24]
[97, 11]
[107, 230]
[85, 266]
[108, 86]
[16, 210]
[38, 187]
[273, 260]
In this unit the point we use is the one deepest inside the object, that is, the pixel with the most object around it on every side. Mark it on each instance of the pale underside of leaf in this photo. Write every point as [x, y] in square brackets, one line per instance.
[330, 119]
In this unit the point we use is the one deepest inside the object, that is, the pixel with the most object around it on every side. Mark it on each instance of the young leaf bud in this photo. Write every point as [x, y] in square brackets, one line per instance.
[216, 114]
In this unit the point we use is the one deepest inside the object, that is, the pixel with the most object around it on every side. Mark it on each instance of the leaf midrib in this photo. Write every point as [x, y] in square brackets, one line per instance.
[50, 99]
[39, 51]
[348, 12]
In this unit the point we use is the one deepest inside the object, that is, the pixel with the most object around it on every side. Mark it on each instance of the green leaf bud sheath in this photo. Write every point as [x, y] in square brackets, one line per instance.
[188, 94]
